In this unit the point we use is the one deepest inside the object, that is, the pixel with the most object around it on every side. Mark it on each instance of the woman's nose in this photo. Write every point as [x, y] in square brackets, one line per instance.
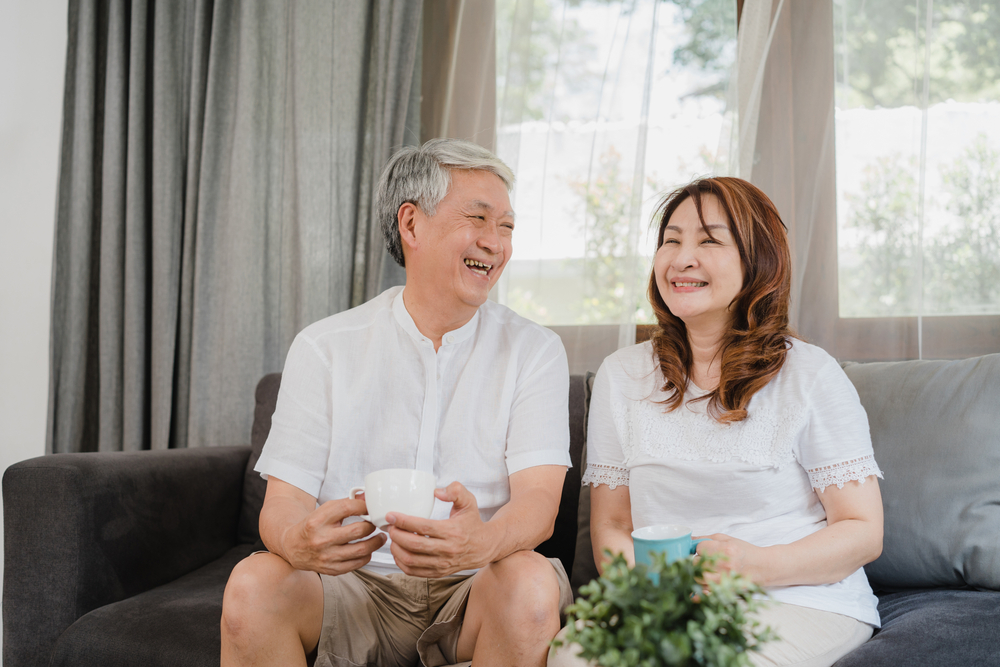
[684, 258]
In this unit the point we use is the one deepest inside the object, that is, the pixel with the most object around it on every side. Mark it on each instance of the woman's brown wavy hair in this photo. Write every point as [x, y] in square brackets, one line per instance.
[753, 349]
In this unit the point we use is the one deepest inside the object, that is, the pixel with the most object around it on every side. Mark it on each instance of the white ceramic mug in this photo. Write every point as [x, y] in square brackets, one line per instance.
[396, 490]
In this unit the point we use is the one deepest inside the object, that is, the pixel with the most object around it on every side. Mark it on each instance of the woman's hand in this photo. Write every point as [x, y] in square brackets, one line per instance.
[738, 557]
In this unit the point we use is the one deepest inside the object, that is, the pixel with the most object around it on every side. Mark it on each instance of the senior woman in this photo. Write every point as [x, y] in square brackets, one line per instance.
[728, 423]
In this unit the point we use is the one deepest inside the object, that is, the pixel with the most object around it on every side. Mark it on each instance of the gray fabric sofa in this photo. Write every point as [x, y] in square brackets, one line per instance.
[121, 559]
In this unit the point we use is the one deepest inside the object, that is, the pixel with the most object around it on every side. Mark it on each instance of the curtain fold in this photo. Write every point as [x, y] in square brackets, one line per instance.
[793, 155]
[218, 166]
[459, 65]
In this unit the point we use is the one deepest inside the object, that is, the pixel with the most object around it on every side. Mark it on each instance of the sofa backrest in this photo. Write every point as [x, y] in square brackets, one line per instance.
[562, 543]
[935, 429]
[266, 397]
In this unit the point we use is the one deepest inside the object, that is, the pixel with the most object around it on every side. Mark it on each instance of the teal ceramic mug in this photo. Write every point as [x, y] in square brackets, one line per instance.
[674, 541]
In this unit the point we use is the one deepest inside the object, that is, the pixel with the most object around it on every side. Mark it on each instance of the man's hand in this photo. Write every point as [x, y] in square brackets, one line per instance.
[315, 538]
[426, 548]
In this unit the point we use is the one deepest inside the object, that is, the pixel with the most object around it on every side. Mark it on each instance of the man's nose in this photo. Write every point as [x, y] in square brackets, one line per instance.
[489, 239]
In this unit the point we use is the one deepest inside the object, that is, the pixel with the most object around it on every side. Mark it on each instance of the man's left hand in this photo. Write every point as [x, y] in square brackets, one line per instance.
[426, 548]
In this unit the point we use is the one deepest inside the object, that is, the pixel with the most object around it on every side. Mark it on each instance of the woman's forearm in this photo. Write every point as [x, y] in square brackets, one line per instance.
[613, 537]
[825, 557]
[851, 538]
[611, 523]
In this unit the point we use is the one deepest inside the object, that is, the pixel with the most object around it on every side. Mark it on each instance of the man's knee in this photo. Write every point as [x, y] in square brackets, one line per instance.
[265, 586]
[528, 584]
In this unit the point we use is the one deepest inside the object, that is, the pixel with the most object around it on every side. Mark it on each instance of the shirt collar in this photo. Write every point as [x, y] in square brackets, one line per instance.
[404, 319]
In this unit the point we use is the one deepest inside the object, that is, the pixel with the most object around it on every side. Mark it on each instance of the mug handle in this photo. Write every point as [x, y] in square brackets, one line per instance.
[694, 544]
[354, 492]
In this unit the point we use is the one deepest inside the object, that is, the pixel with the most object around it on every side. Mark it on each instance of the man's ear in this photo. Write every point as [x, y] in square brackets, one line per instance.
[406, 218]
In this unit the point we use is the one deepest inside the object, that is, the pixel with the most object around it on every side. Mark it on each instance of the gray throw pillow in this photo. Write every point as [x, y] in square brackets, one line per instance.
[935, 434]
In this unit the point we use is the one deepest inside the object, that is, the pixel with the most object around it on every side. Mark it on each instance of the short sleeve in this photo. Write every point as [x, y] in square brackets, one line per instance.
[836, 447]
[538, 428]
[298, 445]
[605, 453]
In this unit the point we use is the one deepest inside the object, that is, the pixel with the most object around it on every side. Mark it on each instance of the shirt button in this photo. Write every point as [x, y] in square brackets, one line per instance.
[450, 339]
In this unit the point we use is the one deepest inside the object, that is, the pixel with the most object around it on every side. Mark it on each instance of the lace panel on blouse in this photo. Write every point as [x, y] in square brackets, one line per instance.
[764, 438]
[855, 470]
[597, 474]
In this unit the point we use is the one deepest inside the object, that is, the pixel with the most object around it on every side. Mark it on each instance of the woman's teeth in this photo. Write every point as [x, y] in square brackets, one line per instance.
[690, 284]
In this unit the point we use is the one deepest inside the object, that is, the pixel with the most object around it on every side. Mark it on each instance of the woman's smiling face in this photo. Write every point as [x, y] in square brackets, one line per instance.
[698, 271]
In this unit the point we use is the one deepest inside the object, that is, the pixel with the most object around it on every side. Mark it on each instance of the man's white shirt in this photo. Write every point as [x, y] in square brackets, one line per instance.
[364, 390]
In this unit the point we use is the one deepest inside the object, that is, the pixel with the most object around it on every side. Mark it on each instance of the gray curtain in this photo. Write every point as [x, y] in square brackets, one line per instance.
[215, 193]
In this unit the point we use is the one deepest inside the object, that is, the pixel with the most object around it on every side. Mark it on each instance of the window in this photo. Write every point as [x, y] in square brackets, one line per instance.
[918, 157]
[918, 173]
[602, 106]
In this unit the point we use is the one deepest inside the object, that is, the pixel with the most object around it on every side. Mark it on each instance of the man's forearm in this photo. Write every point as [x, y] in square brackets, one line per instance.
[522, 524]
[527, 520]
[277, 516]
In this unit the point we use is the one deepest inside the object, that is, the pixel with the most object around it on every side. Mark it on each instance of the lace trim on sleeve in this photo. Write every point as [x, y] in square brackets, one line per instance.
[855, 470]
[598, 474]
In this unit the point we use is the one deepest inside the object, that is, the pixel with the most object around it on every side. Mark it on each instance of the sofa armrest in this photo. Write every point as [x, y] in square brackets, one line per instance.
[85, 530]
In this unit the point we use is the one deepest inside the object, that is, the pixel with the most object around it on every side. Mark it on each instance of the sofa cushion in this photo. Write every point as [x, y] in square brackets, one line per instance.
[254, 485]
[933, 628]
[174, 624]
[935, 434]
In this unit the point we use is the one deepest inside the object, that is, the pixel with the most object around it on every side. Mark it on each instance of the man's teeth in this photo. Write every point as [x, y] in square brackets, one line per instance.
[690, 284]
[478, 266]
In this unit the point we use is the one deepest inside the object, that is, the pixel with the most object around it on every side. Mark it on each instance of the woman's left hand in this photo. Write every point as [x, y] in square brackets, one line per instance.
[738, 556]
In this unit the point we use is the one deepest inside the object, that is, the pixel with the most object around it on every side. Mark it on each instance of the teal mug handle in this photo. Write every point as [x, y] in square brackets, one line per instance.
[694, 544]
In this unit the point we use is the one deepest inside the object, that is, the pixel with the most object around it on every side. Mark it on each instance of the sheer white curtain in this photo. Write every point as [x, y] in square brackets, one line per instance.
[870, 125]
[918, 175]
[877, 139]
[601, 108]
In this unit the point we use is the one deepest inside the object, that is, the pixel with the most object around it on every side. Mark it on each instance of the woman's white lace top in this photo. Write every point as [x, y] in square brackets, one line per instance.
[756, 480]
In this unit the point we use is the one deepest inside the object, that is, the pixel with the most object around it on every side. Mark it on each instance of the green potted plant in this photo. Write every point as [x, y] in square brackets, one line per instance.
[664, 615]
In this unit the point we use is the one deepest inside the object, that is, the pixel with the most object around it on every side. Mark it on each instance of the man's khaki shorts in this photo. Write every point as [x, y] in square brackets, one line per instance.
[373, 619]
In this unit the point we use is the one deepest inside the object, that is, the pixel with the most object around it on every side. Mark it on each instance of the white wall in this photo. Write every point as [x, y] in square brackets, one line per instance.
[32, 59]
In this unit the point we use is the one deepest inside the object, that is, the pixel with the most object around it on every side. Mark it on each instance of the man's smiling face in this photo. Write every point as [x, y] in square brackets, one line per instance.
[465, 245]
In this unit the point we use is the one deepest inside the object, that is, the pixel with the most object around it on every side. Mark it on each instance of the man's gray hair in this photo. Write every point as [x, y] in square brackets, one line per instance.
[422, 176]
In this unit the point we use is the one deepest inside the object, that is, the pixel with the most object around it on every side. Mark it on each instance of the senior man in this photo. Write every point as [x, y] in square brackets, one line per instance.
[429, 376]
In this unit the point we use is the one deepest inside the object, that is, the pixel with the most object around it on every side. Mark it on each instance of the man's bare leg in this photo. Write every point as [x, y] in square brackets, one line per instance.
[272, 613]
[513, 613]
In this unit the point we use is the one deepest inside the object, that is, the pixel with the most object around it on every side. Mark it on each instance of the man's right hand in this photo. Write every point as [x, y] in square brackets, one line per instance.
[315, 538]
